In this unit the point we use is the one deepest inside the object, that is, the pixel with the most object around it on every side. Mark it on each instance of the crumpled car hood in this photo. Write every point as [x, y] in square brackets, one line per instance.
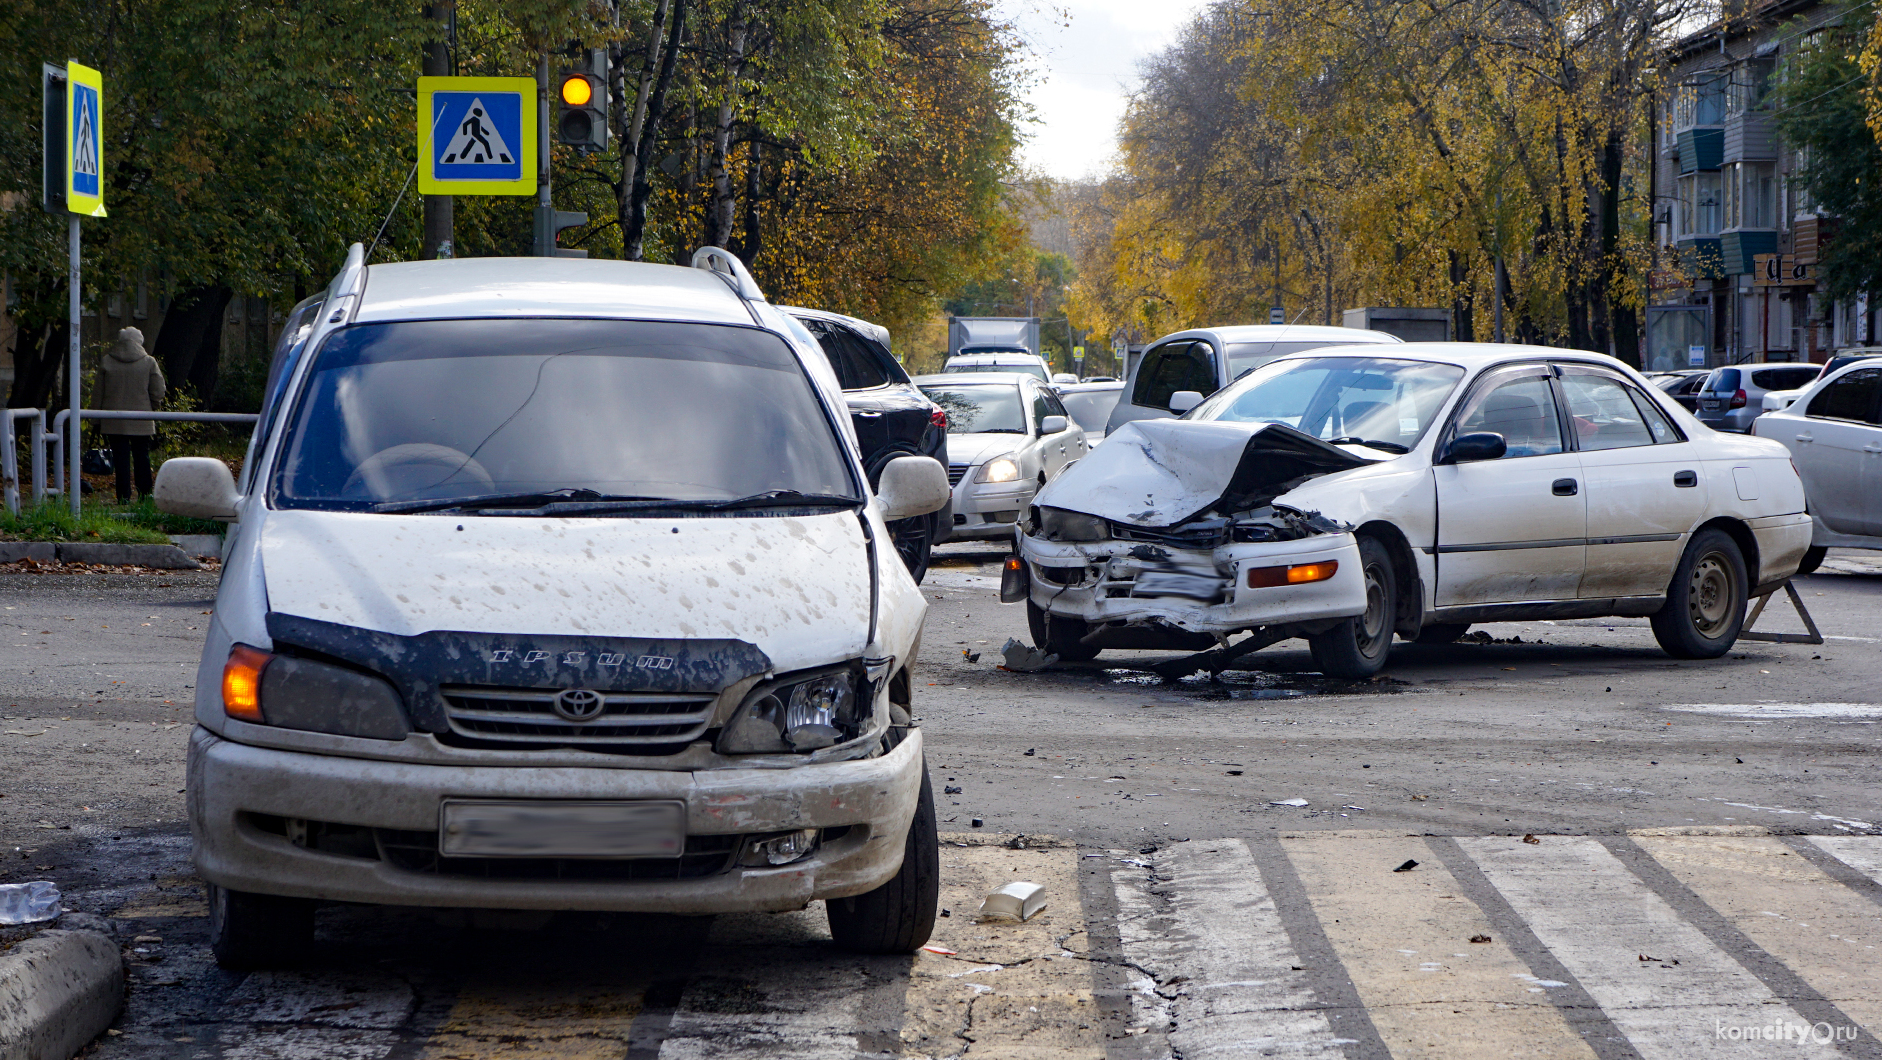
[796, 587]
[1157, 473]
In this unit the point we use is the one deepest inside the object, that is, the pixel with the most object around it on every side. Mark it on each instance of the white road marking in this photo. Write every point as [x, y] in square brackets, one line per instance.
[1671, 1011]
[1245, 993]
[1782, 711]
[1862, 853]
[760, 992]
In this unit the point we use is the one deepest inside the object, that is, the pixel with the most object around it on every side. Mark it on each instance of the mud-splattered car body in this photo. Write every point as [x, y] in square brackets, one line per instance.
[1350, 494]
[676, 693]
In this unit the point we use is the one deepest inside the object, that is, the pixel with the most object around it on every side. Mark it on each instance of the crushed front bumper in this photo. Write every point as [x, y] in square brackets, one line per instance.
[1098, 582]
[251, 808]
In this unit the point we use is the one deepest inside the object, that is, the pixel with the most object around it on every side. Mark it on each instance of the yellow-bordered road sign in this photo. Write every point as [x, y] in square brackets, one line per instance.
[477, 135]
[85, 140]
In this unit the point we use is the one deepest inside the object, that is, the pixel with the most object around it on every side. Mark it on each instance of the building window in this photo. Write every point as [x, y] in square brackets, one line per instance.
[1700, 103]
[1700, 204]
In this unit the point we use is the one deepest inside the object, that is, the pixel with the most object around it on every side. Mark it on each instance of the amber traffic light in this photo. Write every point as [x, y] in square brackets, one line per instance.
[584, 120]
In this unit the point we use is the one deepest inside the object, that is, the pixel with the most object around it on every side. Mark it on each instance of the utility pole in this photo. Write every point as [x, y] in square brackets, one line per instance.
[437, 63]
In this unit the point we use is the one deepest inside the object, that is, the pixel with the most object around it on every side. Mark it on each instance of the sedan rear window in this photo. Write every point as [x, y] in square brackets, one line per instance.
[478, 409]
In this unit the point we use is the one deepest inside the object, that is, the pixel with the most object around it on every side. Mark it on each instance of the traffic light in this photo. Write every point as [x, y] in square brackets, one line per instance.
[584, 121]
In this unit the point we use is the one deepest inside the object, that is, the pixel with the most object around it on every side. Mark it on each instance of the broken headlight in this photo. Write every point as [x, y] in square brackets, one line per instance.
[1057, 524]
[800, 714]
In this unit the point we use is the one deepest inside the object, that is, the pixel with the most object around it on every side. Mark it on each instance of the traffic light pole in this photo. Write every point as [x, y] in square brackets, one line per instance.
[548, 219]
[437, 63]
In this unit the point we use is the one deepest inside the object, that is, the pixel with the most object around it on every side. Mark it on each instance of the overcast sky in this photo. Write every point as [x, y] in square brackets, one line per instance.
[1088, 65]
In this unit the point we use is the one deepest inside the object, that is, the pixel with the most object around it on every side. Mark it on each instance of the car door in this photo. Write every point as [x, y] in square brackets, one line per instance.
[1182, 364]
[1069, 442]
[1643, 484]
[1837, 450]
[1511, 529]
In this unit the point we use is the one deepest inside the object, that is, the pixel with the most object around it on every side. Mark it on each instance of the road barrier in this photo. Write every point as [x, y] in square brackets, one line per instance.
[9, 455]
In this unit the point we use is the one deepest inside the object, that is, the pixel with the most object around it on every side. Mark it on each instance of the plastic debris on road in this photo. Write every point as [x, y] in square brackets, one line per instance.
[1407, 867]
[1288, 802]
[1014, 901]
[28, 903]
[1024, 658]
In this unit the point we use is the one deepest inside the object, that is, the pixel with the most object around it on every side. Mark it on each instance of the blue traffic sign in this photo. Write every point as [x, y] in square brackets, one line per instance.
[477, 136]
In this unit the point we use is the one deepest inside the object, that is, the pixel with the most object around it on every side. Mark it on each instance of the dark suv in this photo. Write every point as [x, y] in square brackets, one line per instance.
[892, 417]
[1733, 397]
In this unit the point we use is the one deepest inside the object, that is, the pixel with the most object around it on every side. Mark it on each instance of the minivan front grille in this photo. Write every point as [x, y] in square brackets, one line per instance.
[528, 716]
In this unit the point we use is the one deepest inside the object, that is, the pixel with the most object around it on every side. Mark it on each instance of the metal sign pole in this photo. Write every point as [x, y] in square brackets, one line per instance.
[75, 385]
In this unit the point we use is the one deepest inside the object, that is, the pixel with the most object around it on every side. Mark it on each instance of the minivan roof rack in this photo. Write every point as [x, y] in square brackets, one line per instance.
[725, 265]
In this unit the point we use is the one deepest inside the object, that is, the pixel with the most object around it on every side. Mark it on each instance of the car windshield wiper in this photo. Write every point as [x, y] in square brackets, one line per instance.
[1001, 430]
[1384, 447]
[503, 500]
[767, 499]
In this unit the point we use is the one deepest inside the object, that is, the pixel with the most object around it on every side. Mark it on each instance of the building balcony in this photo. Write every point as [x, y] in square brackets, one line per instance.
[1700, 257]
[1701, 148]
[1738, 246]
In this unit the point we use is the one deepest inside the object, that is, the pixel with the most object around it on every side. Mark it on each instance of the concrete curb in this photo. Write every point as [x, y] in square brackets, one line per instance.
[161, 557]
[58, 991]
[37, 551]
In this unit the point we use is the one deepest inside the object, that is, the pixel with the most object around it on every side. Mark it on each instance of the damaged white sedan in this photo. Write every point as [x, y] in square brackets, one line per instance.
[1347, 496]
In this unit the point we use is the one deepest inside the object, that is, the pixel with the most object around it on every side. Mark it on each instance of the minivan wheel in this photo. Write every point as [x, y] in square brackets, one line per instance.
[1063, 637]
[1813, 558]
[250, 931]
[897, 917]
[1705, 605]
[1357, 648]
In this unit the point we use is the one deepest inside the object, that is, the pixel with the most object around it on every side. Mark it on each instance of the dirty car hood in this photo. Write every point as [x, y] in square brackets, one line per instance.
[1156, 473]
[796, 587]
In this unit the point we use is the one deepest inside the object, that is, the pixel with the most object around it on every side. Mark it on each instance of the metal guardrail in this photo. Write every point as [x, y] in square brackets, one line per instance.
[9, 460]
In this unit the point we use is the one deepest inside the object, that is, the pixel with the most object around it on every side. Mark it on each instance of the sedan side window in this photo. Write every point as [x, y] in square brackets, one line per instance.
[1852, 397]
[1522, 410]
[1657, 422]
[1603, 414]
[1055, 407]
[1177, 366]
[1039, 409]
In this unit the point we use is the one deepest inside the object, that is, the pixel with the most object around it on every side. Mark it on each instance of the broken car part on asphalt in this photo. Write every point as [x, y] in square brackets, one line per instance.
[1013, 901]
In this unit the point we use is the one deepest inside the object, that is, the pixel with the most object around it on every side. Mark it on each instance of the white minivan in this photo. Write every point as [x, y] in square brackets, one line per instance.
[557, 585]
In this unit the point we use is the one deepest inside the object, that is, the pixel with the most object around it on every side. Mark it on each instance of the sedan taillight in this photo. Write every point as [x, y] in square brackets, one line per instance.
[1738, 400]
[938, 418]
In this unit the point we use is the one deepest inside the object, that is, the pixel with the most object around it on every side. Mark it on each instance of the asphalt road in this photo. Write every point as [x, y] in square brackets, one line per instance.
[1218, 854]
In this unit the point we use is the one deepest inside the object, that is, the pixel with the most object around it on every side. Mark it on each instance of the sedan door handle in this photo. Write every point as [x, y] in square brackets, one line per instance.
[869, 415]
[1805, 438]
[1685, 479]
[1872, 448]
[1565, 487]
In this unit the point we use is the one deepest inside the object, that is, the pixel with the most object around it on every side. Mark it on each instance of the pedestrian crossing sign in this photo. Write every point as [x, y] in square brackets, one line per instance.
[84, 142]
[477, 135]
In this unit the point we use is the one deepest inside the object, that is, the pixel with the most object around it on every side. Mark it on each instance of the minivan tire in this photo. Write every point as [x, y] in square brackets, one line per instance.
[897, 917]
[914, 544]
[1705, 604]
[1357, 648]
[253, 931]
[1063, 637]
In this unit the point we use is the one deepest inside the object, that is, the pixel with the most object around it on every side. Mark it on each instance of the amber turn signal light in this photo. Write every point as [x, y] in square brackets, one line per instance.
[241, 682]
[1296, 574]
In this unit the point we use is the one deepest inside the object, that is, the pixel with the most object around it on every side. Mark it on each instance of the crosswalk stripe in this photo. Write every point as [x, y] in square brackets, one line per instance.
[1403, 937]
[767, 986]
[1862, 853]
[1216, 962]
[1819, 929]
[1620, 939]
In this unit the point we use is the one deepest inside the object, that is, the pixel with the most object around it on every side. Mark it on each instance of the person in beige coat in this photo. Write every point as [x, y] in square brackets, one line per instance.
[129, 380]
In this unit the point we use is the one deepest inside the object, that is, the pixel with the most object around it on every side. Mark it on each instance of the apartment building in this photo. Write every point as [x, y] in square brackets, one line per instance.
[1736, 274]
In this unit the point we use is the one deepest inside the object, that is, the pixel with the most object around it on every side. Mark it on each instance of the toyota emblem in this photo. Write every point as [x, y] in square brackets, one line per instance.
[578, 704]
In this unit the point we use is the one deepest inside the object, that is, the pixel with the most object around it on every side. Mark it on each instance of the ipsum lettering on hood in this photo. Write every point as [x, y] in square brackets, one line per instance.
[1158, 473]
[797, 587]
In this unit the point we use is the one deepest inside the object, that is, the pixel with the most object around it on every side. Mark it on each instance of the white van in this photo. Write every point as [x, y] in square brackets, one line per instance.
[557, 585]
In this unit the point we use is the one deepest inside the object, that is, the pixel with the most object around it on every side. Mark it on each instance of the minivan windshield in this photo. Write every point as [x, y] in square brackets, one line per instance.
[1032, 368]
[529, 413]
[1344, 399]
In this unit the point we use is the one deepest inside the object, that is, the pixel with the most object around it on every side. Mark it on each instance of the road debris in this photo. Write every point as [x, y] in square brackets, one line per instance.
[28, 903]
[1018, 900]
[1024, 658]
[1407, 867]
[1480, 938]
[942, 950]
[977, 822]
[1532, 840]
[1288, 802]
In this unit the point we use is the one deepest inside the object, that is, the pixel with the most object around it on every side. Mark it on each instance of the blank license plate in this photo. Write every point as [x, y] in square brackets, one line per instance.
[1173, 583]
[545, 829]
[1708, 403]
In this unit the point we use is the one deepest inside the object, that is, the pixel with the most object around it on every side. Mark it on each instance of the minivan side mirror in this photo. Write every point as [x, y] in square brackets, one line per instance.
[198, 486]
[1053, 425]
[1483, 445]
[1184, 400]
[910, 486]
